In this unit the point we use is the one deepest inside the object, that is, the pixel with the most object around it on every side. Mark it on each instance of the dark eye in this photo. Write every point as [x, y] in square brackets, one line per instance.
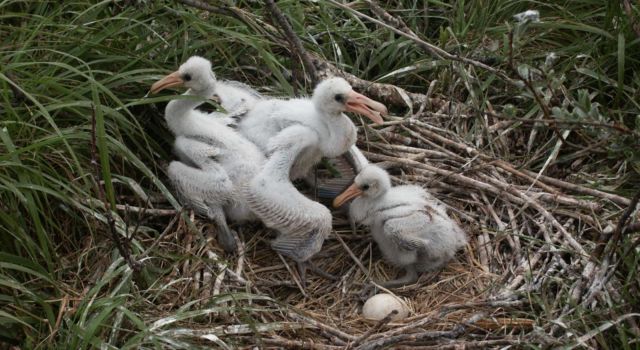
[339, 98]
[187, 77]
[365, 187]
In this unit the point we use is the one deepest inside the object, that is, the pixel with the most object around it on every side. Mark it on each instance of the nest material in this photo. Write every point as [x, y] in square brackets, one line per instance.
[530, 234]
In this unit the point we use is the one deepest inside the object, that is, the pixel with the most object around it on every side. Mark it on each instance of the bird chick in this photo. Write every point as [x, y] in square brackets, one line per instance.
[319, 120]
[215, 161]
[410, 226]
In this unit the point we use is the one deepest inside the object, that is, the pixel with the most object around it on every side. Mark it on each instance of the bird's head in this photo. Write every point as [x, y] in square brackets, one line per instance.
[371, 182]
[335, 95]
[195, 74]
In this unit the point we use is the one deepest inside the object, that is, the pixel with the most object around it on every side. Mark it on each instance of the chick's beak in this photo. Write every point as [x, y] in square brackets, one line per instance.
[361, 104]
[351, 192]
[170, 80]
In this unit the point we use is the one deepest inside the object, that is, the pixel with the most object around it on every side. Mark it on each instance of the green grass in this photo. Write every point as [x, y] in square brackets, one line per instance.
[63, 62]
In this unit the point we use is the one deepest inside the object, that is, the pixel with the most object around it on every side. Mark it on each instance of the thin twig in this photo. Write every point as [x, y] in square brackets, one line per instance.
[430, 48]
[373, 329]
[122, 249]
[612, 239]
[292, 38]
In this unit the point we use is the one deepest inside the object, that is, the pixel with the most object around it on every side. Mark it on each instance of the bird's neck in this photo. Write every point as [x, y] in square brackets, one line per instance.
[178, 113]
[341, 135]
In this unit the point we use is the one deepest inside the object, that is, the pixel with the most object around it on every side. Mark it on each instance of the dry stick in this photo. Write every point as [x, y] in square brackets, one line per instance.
[353, 256]
[597, 278]
[134, 209]
[505, 166]
[628, 9]
[547, 215]
[122, 249]
[241, 253]
[407, 149]
[372, 330]
[293, 276]
[617, 233]
[385, 93]
[526, 174]
[147, 211]
[415, 337]
[472, 344]
[450, 155]
[444, 310]
[299, 344]
[430, 48]
[632, 227]
[389, 18]
[161, 236]
[580, 189]
[340, 334]
[512, 120]
[515, 229]
[207, 7]
[292, 38]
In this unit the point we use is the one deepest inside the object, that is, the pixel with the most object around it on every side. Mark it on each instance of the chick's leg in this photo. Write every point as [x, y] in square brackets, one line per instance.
[410, 276]
[302, 272]
[225, 237]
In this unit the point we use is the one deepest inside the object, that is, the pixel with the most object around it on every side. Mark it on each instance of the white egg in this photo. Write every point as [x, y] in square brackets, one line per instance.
[380, 305]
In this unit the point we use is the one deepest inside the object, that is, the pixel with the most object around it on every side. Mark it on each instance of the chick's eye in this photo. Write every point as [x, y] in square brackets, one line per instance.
[187, 77]
[339, 98]
[365, 187]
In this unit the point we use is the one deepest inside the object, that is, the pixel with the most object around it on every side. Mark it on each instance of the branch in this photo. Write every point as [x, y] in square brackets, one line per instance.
[373, 329]
[429, 48]
[385, 93]
[428, 335]
[207, 7]
[613, 238]
[292, 38]
[122, 249]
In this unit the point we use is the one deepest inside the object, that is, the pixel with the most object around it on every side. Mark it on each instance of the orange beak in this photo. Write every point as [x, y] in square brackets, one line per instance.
[170, 80]
[351, 192]
[363, 105]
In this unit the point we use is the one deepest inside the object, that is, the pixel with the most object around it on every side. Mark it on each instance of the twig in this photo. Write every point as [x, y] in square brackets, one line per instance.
[292, 38]
[122, 249]
[612, 239]
[340, 334]
[299, 344]
[134, 209]
[525, 174]
[161, 236]
[416, 337]
[372, 330]
[385, 93]
[353, 256]
[293, 275]
[222, 10]
[512, 120]
[430, 48]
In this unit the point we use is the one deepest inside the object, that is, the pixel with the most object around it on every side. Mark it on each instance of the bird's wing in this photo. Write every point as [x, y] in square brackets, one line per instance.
[299, 247]
[302, 223]
[406, 231]
[195, 151]
[339, 174]
[219, 137]
[236, 97]
[200, 189]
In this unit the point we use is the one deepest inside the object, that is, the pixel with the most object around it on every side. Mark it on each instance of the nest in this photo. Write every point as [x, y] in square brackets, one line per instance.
[532, 237]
